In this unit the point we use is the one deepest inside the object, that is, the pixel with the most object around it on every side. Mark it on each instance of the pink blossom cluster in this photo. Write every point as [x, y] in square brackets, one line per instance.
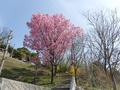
[52, 35]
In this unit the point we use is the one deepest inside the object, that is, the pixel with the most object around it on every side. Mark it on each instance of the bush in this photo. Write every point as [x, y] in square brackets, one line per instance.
[63, 67]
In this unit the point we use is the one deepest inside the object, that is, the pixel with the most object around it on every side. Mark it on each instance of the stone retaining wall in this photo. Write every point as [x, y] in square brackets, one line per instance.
[7, 84]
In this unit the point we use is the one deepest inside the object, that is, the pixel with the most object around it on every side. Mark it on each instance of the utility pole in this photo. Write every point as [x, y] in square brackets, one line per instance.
[5, 52]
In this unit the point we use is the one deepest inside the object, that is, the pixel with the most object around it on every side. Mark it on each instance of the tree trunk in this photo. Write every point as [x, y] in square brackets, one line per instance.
[105, 69]
[112, 78]
[76, 75]
[52, 72]
[55, 69]
[73, 84]
[36, 76]
[113, 83]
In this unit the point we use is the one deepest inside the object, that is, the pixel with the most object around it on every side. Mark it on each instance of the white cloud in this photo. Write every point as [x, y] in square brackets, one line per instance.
[72, 9]
[78, 5]
[112, 3]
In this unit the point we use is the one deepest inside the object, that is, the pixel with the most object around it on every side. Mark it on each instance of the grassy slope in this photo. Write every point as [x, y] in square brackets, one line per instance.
[21, 71]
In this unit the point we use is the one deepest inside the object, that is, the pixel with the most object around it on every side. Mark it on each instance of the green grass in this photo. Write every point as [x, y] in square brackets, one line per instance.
[11, 63]
[22, 71]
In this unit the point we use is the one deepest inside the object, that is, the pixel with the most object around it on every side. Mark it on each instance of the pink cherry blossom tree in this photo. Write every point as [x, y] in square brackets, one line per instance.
[51, 36]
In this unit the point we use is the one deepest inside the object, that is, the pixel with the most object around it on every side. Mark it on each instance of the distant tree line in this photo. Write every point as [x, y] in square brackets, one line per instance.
[19, 53]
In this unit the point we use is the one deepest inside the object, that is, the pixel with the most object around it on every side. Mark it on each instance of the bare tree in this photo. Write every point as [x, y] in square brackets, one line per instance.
[5, 52]
[3, 35]
[104, 38]
[76, 54]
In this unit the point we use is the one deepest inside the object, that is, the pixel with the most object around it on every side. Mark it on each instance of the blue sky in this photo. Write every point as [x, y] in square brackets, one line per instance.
[15, 13]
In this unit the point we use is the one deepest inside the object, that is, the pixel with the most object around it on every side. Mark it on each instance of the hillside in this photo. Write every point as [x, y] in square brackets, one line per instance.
[25, 72]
